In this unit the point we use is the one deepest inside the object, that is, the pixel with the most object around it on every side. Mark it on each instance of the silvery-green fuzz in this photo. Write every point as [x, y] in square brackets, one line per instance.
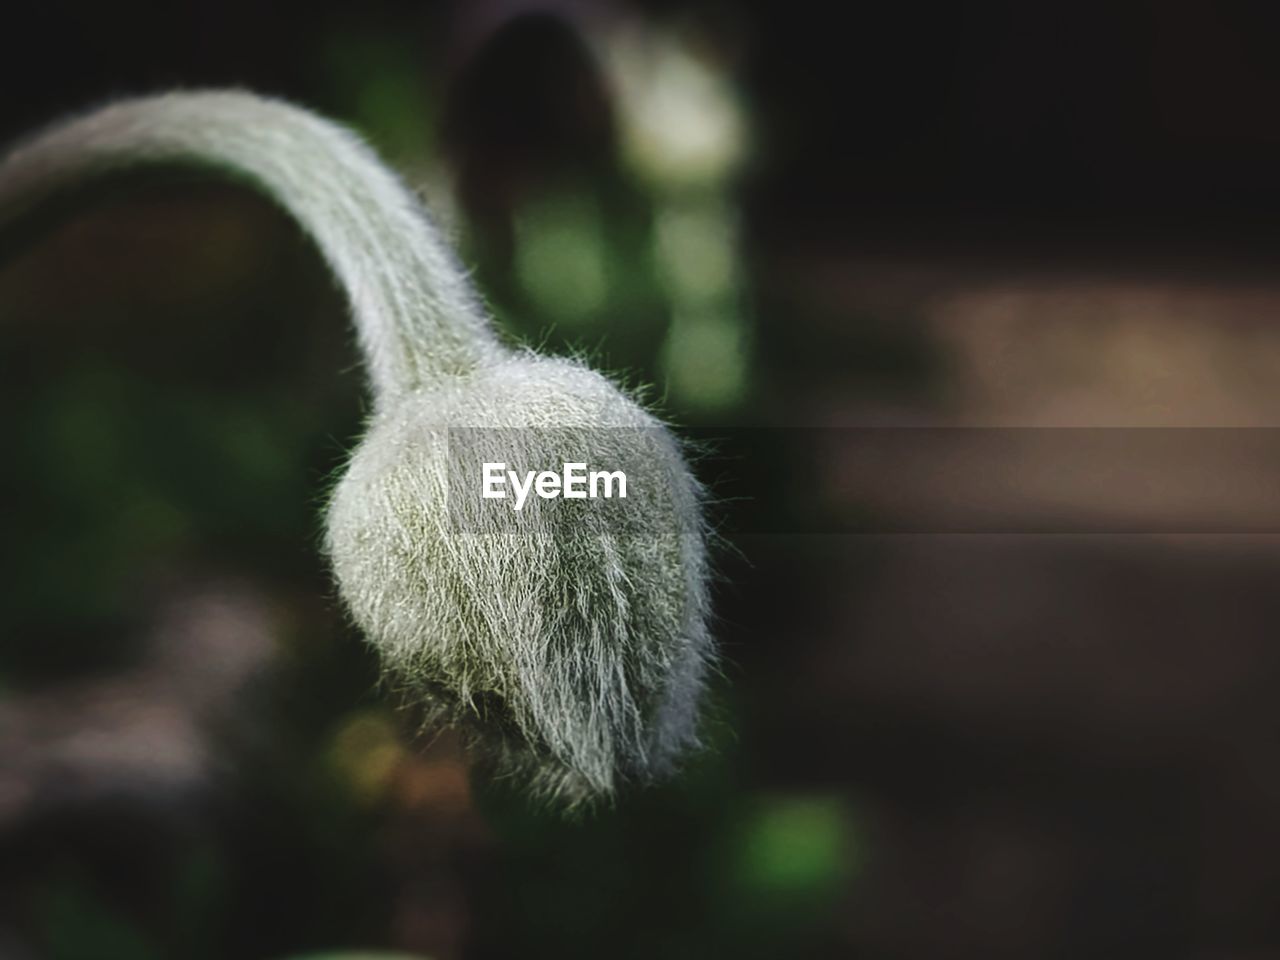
[568, 639]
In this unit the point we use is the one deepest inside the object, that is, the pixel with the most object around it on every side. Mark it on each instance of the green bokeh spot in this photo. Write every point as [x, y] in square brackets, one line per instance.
[795, 846]
[78, 924]
[560, 257]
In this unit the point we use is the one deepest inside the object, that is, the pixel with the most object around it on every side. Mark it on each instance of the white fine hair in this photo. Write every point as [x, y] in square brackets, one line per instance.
[568, 641]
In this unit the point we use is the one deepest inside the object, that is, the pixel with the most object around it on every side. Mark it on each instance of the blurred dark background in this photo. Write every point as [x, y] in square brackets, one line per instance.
[782, 218]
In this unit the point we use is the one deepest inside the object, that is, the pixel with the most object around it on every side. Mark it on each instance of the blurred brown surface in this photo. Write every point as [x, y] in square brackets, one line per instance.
[1068, 743]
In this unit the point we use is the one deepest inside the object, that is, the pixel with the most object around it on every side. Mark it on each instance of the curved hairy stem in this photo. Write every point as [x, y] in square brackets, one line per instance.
[416, 315]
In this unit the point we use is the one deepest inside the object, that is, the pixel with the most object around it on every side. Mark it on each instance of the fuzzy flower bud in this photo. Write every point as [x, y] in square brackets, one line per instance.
[568, 638]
